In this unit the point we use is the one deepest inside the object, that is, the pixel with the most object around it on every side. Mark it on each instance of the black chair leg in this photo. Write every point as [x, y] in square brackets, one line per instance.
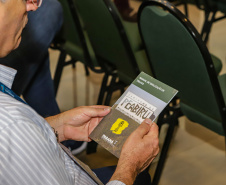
[91, 147]
[86, 70]
[163, 154]
[110, 90]
[209, 20]
[122, 90]
[173, 121]
[102, 89]
[108, 98]
[59, 70]
[186, 9]
[161, 119]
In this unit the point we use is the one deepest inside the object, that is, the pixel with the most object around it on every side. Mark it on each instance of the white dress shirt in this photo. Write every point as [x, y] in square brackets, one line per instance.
[29, 152]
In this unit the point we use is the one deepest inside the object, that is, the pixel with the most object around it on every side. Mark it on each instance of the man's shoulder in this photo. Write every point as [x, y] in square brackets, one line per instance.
[14, 107]
[13, 111]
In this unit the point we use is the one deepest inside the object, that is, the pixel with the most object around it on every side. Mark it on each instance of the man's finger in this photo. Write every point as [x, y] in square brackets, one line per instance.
[154, 131]
[144, 128]
[99, 106]
[96, 112]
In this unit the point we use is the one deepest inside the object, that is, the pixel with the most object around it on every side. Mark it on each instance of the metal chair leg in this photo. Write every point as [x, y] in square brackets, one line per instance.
[163, 154]
[91, 147]
[102, 89]
[172, 121]
[209, 20]
[59, 70]
[86, 70]
[186, 9]
[110, 90]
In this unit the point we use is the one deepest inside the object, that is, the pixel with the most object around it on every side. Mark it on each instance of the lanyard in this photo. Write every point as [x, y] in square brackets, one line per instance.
[8, 91]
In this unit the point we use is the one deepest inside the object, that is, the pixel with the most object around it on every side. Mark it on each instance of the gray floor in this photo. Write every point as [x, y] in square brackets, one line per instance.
[196, 156]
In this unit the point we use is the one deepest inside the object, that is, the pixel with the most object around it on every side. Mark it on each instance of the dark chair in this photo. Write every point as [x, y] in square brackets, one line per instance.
[117, 46]
[179, 58]
[210, 8]
[73, 41]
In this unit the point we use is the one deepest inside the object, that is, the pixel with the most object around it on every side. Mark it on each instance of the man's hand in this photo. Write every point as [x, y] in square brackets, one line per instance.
[138, 152]
[78, 123]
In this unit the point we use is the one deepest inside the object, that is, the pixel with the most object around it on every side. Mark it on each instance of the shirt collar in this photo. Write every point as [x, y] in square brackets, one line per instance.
[7, 75]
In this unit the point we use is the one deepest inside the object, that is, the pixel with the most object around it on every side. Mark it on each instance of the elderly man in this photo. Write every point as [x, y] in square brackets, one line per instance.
[30, 152]
[31, 60]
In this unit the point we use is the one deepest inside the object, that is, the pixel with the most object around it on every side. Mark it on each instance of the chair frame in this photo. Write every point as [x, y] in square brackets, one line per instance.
[210, 18]
[210, 69]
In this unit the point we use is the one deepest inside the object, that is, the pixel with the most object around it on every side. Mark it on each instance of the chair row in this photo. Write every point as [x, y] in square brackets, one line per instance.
[166, 46]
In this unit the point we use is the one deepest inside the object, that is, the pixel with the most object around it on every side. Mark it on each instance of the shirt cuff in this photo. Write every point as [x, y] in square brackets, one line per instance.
[115, 182]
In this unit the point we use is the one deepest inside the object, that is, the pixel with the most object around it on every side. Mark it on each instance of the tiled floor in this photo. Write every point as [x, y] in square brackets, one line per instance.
[196, 156]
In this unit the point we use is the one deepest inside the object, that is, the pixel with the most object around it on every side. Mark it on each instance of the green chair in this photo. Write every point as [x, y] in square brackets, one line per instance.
[210, 8]
[117, 46]
[73, 41]
[116, 43]
[179, 58]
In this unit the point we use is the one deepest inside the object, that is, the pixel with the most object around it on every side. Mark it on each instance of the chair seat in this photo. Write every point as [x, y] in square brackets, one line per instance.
[74, 51]
[133, 35]
[142, 61]
[210, 122]
[198, 117]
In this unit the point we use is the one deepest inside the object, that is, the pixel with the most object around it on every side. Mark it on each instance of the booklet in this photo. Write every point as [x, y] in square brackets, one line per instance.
[146, 97]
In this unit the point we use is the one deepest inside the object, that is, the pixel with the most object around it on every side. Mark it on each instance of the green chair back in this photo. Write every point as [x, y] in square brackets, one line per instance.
[70, 29]
[73, 40]
[77, 43]
[180, 59]
[108, 37]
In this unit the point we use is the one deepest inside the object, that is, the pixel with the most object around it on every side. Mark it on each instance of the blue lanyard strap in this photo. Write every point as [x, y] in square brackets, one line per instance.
[8, 91]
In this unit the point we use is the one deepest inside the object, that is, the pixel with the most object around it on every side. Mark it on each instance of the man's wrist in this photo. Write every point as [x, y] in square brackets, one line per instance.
[125, 174]
[56, 123]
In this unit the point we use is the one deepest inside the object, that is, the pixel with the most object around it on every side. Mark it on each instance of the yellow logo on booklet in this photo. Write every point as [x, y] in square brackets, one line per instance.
[119, 126]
